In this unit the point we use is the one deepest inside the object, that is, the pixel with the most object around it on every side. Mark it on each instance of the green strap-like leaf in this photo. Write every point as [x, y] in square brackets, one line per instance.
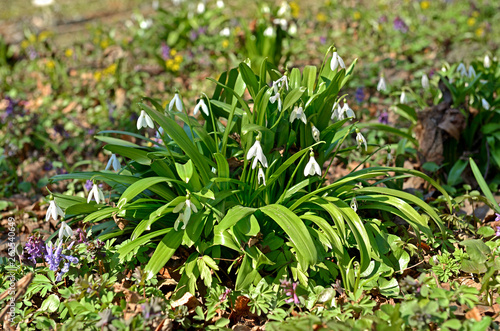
[482, 184]
[166, 248]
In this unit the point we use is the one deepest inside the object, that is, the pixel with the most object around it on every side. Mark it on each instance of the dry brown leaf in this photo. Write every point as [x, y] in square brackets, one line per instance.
[187, 300]
[473, 313]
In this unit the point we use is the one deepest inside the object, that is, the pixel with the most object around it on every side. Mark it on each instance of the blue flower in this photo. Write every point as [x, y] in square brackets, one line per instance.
[54, 257]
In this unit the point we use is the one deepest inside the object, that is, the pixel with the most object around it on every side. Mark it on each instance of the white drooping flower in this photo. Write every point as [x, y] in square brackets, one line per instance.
[336, 61]
[65, 231]
[389, 157]
[354, 204]
[261, 177]
[279, 82]
[54, 211]
[315, 133]
[175, 101]
[187, 207]
[220, 4]
[95, 193]
[275, 97]
[338, 112]
[487, 62]
[113, 161]
[425, 82]
[485, 104]
[225, 32]
[361, 140]
[144, 121]
[312, 167]
[200, 9]
[402, 98]
[201, 104]
[347, 111]
[269, 32]
[461, 70]
[298, 113]
[381, 86]
[472, 72]
[41, 3]
[257, 153]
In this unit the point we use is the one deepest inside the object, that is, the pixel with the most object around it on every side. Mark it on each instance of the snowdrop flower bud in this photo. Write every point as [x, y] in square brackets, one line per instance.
[461, 70]
[293, 29]
[402, 98]
[96, 193]
[203, 107]
[312, 167]
[257, 153]
[54, 211]
[336, 61]
[200, 9]
[268, 32]
[298, 113]
[361, 140]
[472, 72]
[175, 101]
[425, 82]
[487, 62]
[261, 177]
[65, 231]
[113, 160]
[381, 84]
[354, 204]
[315, 133]
[144, 121]
[225, 32]
[220, 4]
[389, 157]
[485, 104]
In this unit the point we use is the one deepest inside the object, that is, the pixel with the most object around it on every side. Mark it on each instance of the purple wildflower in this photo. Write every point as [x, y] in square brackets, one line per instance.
[202, 30]
[34, 248]
[223, 296]
[193, 35]
[165, 51]
[32, 53]
[289, 289]
[322, 40]
[360, 95]
[382, 19]
[498, 230]
[400, 25]
[47, 166]
[10, 108]
[88, 185]
[383, 117]
[54, 257]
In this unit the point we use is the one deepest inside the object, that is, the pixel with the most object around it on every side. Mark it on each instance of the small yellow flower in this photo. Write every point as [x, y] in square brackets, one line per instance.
[479, 32]
[31, 38]
[356, 15]
[68, 52]
[97, 76]
[173, 52]
[225, 43]
[425, 4]
[475, 13]
[321, 17]
[471, 21]
[175, 67]
[50, 64]
[169, 64]
[178, 59]
[110, 70]
[295, 8]
[43, 36]
[25, 44]
[104, 44]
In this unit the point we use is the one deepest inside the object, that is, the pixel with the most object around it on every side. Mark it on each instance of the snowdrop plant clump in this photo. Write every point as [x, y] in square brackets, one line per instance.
[250, 169]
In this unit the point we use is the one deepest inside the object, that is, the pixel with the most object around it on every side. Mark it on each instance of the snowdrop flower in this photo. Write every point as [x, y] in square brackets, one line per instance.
[298, 113]
[461, 70]
[293, 29]
[485, 104]
[312, 167]
[361, 140]
[42, 3]
[348, 111]
[402, 98]
[220, 4]
[389, 157]
[54, 211]
[268, 32]
[338, 112]
[284, 9]
[113, 160]
[487, 62]
[261, 177]
[201, 104]
[275, 97]
[336, 61]
[425, 82]
[279, 83]
[257, 153]
[175, 101]
[144, 121]
[200, 9]
[472, 72]
[65, 231]
[315, 133]
[189, 207]
[225, 32]
[354, 204]
[282, 22]
[95, 193]
[381, 84]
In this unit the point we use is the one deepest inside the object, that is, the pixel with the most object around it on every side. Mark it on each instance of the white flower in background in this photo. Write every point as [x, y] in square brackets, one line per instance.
[280, 81]
[298, 113]
[284, 9]
[146, 24]
[200, 9]
[201, 104]
[261, 177]
[275, 97]
[184, 216]
[361, 140]
[265, 9]
[144, 121]
[95, 193]
[315, 133]
[487, 62]
[54, 211]
[381, 86]
[485, 104]
[175, 101]
[354, 204]
[338, 112]
[425, 82]
[336, 61]
[281, 22]
[389, 157]
[159, 133]
[226, 32]
[113, 161]
[257, 153]
[461, 70]
[312, 167]
[65, 231]
[220, 4]
[347, 111]
[269, 32]
[293, 29]
[472, 72]
[42, 3]
[402, 98]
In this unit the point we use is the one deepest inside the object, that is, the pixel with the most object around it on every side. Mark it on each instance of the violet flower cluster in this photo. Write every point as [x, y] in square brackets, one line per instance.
[34, 248]
[289, 288]
[54, 257]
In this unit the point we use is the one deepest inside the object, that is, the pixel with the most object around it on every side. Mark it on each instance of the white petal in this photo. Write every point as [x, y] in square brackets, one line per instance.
[101, 195]
[425, 82]
[253, 150]
[196, 108]
[334, 63]
[91, 193]
[402, 99]
[485, 104]
[140, 120]
[109, 163]
[487, 62]
[261, 177]
[204, 107]
[263, 160]
[171, 104]
[149, 121]
[254, 163]
[178, 102]
[179, 207]
[307, 169]
[317, 168]
[116, 164]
